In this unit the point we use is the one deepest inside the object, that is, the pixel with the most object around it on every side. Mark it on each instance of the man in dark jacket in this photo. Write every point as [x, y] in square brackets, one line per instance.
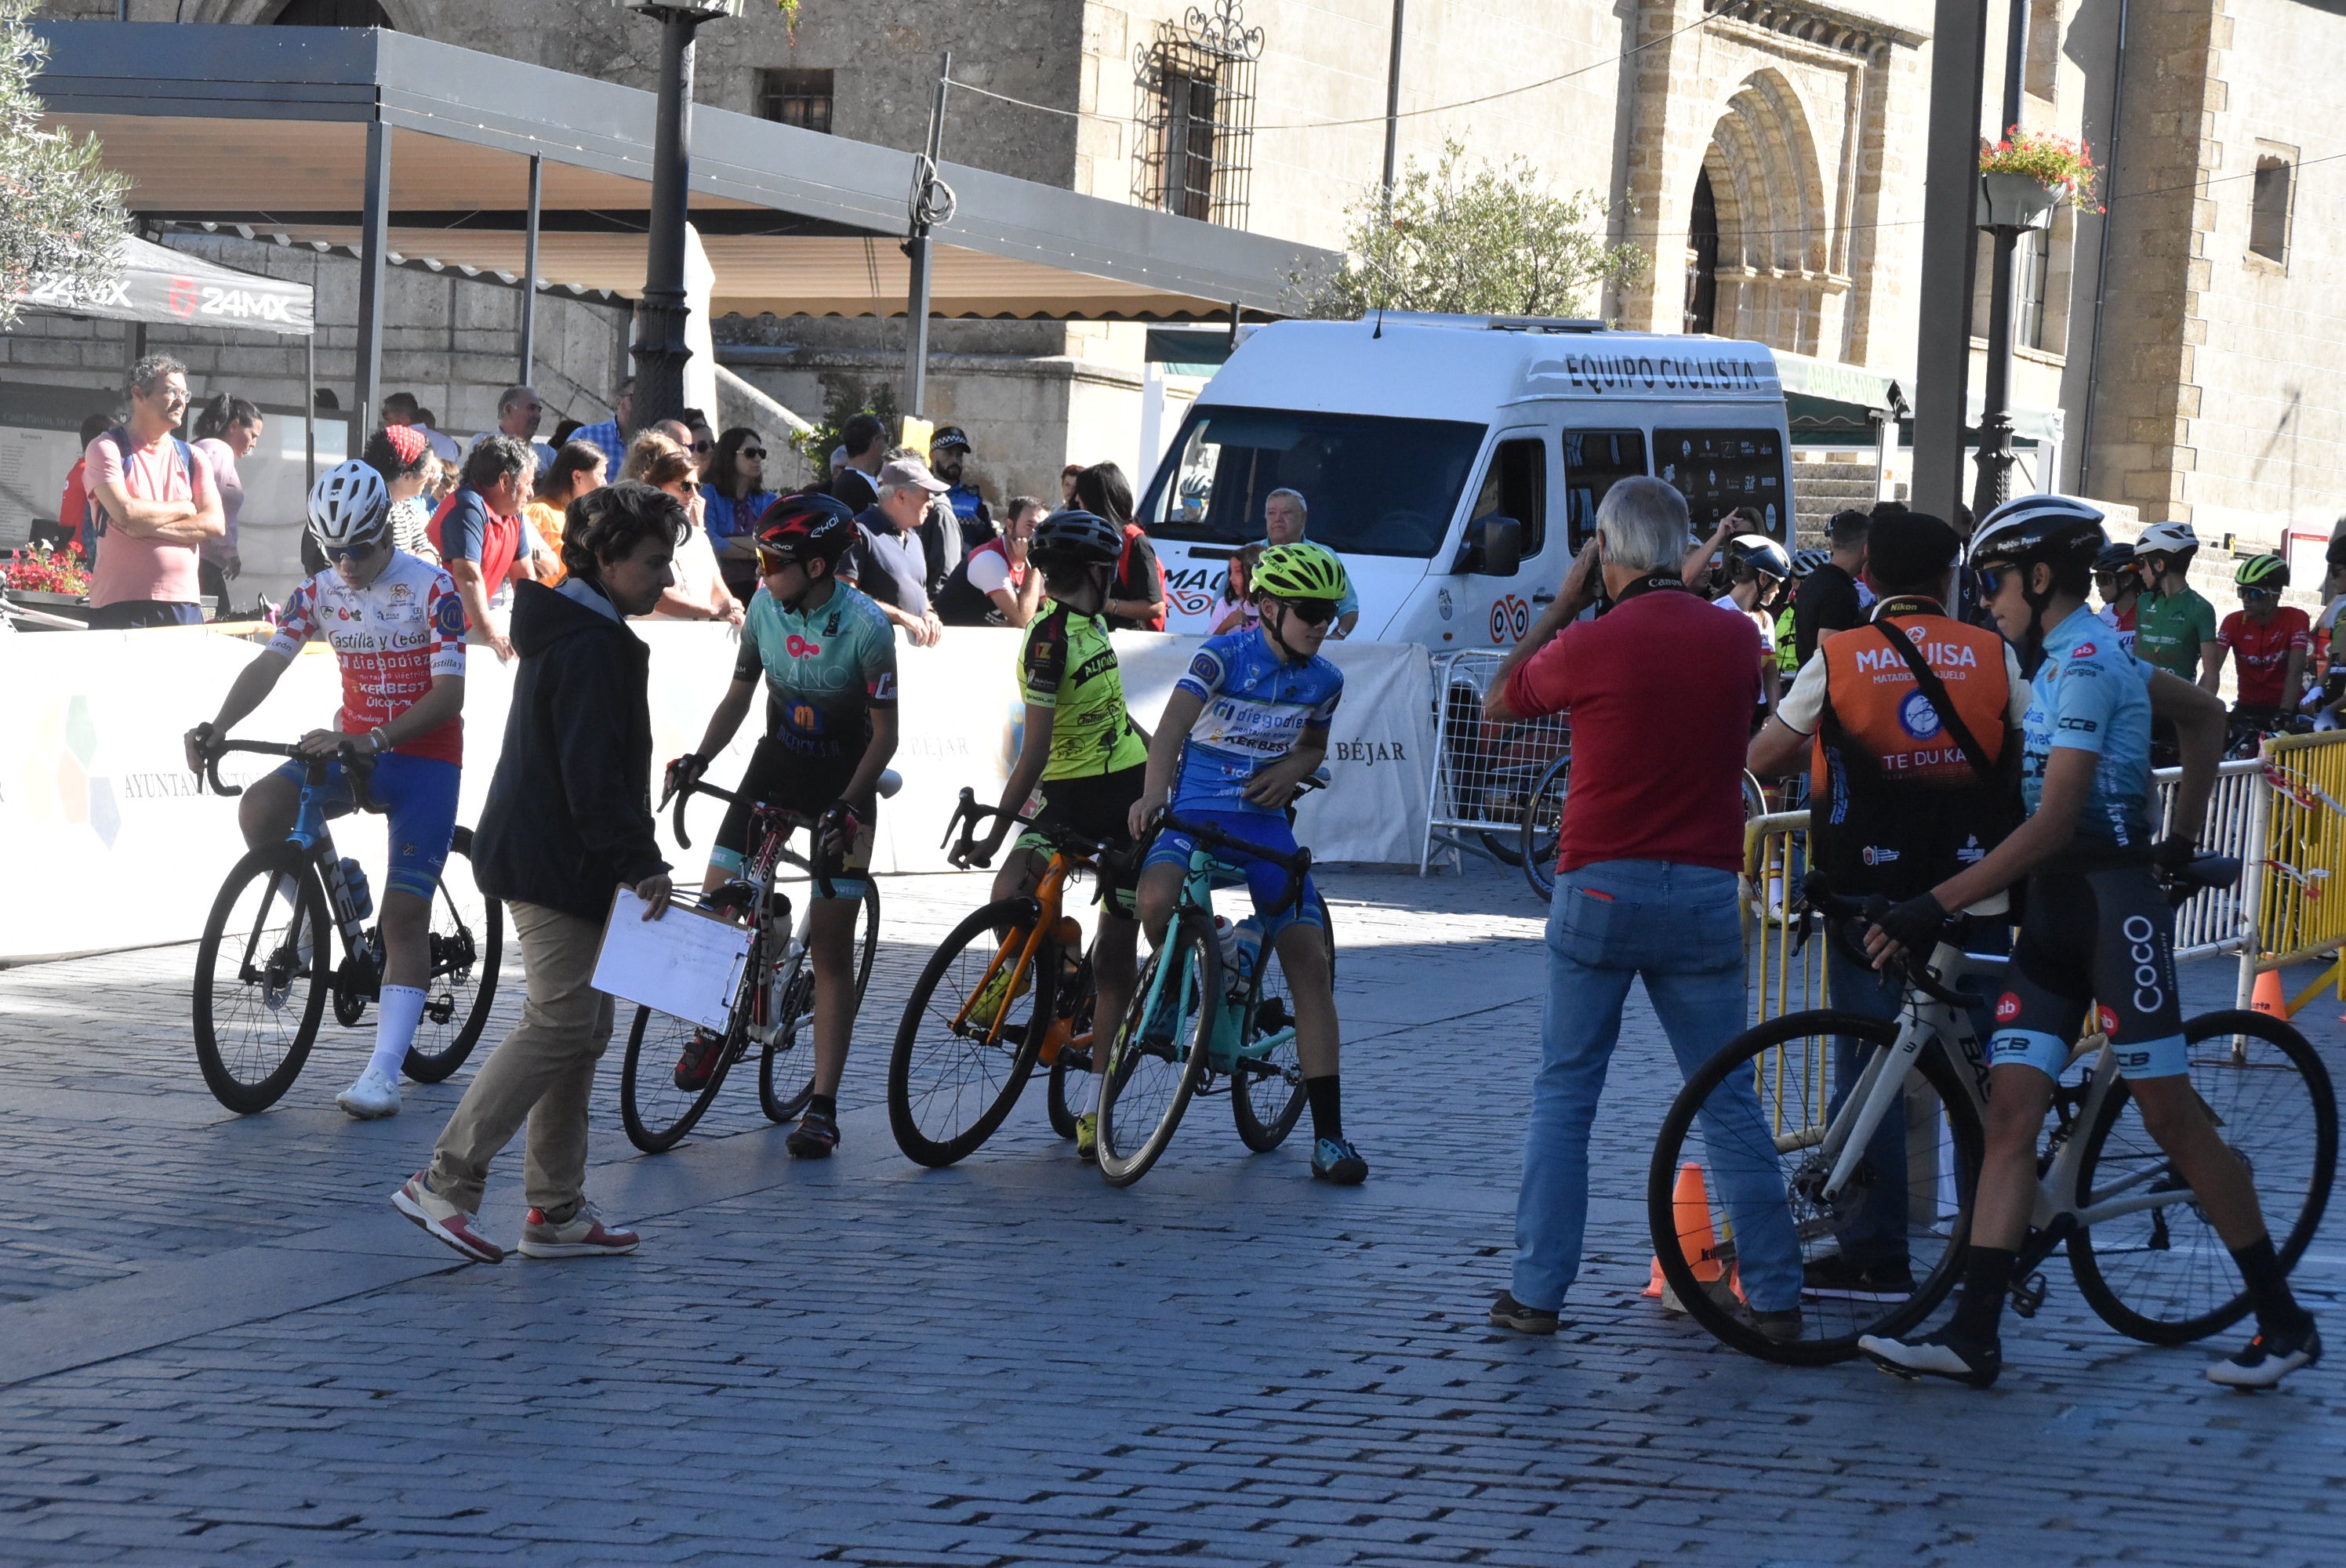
[567, 823]
[1828, 600]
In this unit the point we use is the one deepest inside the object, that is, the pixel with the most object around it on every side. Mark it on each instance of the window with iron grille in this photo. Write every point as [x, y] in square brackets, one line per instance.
[796, 98]
[1196, 114]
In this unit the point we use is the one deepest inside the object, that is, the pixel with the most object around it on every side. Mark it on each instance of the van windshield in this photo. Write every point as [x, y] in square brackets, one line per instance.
[1371, 485]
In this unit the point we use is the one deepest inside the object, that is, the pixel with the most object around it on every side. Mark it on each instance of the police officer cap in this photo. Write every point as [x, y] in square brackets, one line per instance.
[1908, 549]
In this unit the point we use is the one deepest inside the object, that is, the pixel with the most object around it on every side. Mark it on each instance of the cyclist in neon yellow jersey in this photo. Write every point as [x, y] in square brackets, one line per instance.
[1081, 744]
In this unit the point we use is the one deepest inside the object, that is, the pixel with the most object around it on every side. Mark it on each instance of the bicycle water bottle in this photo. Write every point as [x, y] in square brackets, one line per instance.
[1248, 942]
[355, 891]
[1226, 938]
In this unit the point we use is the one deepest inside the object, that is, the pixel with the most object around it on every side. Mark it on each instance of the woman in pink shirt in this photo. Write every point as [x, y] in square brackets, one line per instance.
[227, 428]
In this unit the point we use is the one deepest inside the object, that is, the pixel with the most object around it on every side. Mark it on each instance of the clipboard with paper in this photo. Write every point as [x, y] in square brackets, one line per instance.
[686, 963]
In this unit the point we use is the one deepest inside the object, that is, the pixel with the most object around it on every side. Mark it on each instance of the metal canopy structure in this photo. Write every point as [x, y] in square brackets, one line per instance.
[280, 129]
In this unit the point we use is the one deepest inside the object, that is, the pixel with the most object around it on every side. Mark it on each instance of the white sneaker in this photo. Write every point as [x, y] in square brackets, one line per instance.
[373, 1095]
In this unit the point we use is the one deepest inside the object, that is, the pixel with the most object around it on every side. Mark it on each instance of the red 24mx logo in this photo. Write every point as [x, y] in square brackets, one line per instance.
[1511, 617]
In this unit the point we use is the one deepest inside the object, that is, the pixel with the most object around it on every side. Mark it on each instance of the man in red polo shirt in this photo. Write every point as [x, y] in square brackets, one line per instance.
[1660, 689]
[477, 532]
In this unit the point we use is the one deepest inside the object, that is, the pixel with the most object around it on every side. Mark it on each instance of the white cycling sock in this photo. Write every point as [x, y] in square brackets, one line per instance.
[396, 1016]
[1092, 1094]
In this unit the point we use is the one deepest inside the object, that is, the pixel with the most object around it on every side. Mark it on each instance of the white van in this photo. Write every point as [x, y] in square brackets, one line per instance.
[1456, 462]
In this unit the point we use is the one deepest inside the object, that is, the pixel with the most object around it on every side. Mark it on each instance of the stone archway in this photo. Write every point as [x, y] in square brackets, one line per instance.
[1774, 280]
[403, 15]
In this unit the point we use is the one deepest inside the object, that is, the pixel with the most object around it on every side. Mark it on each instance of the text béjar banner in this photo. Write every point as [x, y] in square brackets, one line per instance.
[111, 846]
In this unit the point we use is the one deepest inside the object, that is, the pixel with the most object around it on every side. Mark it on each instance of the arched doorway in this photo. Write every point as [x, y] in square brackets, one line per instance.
[1702, 259]
[1767, 207]
[332, 14]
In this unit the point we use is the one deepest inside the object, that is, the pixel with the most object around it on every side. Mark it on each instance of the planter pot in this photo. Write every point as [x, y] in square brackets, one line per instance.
[2017, 201]
[28, 597]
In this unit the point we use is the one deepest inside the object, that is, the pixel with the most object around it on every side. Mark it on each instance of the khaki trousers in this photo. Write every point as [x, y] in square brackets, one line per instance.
[543, 1072]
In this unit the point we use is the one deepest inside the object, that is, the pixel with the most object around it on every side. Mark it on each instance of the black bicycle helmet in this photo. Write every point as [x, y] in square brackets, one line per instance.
[2043, 527]
[2116, 557]
[804, 527]
[1075, 538]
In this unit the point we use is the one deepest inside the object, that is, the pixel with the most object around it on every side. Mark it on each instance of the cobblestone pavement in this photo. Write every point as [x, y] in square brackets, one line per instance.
[221, 1345]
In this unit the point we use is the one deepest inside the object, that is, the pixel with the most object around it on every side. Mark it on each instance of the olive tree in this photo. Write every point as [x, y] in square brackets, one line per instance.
[60, 208]
[1486, 242]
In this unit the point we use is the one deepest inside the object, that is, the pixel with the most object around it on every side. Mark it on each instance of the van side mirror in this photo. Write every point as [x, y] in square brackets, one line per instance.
[1501, 546]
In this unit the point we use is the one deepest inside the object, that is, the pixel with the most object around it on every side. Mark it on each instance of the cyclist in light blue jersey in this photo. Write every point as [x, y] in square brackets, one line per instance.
[2098, 930]
[1245, 727]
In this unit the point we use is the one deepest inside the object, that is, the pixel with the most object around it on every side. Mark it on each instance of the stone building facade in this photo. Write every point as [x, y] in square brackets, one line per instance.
[1767, 154]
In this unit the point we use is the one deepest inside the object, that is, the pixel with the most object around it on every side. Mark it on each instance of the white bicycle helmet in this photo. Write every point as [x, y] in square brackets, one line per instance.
[1762, 553]
[2166, 539]
[1806, 561]
[2036, 528]
[349, 506]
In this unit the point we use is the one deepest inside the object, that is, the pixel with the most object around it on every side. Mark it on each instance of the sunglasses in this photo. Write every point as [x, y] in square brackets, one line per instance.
[1990, 581]
[704, 446]
[2261, 592]
[1311, 612]
[758, 453]
[354, 552]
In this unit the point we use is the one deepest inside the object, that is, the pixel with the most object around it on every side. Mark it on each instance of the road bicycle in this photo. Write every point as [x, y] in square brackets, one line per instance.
[2143, 1254]
[661, 1100]
[260, 985]
[1197, 1023]
[1543, 824]
[959, 1063]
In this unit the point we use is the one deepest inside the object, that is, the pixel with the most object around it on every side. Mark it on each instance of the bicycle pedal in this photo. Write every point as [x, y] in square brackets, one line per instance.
[2028, 1295]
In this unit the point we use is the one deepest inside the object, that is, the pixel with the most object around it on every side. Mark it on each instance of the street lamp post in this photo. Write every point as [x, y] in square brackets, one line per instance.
[659, 347]
[2005, 218]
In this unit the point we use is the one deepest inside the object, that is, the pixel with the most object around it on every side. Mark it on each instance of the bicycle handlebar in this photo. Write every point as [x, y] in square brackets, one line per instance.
[968, 815]
[1816, 888]
[821, 864]
[1298, 865]
[356, 765]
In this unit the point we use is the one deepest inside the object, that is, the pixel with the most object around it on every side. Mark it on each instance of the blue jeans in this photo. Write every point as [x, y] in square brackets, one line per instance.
[1675, 926]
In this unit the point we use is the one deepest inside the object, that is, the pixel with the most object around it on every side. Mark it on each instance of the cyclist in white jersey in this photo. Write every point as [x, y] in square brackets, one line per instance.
[397, 628]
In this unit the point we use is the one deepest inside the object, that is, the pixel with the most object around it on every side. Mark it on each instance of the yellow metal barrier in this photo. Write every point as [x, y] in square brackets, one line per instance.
[2300, 875]
[1785, 974]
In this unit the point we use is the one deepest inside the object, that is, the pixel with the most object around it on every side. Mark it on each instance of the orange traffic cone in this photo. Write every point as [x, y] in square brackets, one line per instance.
[1691, 1206]
[1654, 1284]
[2269, 997]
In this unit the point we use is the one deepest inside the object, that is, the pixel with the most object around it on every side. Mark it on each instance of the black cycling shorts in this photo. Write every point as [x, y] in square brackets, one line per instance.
[1100, 807]
[777, 776]
[2102, 936]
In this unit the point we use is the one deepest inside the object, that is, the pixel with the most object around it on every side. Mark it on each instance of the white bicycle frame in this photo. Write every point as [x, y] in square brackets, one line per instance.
[1881, 1091]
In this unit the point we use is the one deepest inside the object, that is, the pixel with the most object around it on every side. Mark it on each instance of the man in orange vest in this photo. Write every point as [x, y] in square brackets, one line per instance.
[1911, 723]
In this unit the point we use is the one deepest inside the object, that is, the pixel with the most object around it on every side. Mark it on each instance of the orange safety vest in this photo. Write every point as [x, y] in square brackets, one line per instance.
[1895, 804]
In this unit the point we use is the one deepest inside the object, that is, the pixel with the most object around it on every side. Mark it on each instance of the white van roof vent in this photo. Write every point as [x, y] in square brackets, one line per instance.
[1545, 324]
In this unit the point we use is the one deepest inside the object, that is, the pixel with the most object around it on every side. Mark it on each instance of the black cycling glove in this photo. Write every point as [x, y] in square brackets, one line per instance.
[685, 772]
[1914, 924]
[2171, 855]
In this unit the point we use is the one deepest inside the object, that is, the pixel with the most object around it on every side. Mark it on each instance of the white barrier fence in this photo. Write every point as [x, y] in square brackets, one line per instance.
[110, 844]
[1484, 773]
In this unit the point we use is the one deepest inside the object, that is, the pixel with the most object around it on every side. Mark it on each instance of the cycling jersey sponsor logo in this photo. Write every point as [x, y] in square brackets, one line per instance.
[2142, 949]
[2082, 650]
[449, 619]
[1875, 855]
[2083, 726]
[803, 718]
[1206, 668]
[801, 648]
[2007, 1007]
[883, 689]
[1917, 717]
[2106, 1021]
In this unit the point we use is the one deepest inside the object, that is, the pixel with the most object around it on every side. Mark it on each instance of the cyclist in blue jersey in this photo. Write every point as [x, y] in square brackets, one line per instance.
[1245, 727]
[827, 658]
[2098, 929]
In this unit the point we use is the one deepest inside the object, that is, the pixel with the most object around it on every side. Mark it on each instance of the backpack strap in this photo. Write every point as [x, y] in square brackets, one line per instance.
[1934, 692]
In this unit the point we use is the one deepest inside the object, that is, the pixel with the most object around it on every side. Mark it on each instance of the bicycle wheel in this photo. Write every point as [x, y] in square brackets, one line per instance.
[654, 1107]
[2161, 1274]
[777, 1065]
[1782, 1136]
[1267, 1091]
[1543, 824]
[260, 970]
[468, 941]
[956, 1070]
[1158, 1057]
[1070, 1078]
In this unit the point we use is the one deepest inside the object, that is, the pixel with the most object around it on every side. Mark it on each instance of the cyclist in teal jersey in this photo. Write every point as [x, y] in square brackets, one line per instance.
[2098, 929]
[827, 658]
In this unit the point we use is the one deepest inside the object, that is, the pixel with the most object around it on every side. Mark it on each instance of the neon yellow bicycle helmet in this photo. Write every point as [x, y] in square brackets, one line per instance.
[2268, 571]
[1305, 571]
